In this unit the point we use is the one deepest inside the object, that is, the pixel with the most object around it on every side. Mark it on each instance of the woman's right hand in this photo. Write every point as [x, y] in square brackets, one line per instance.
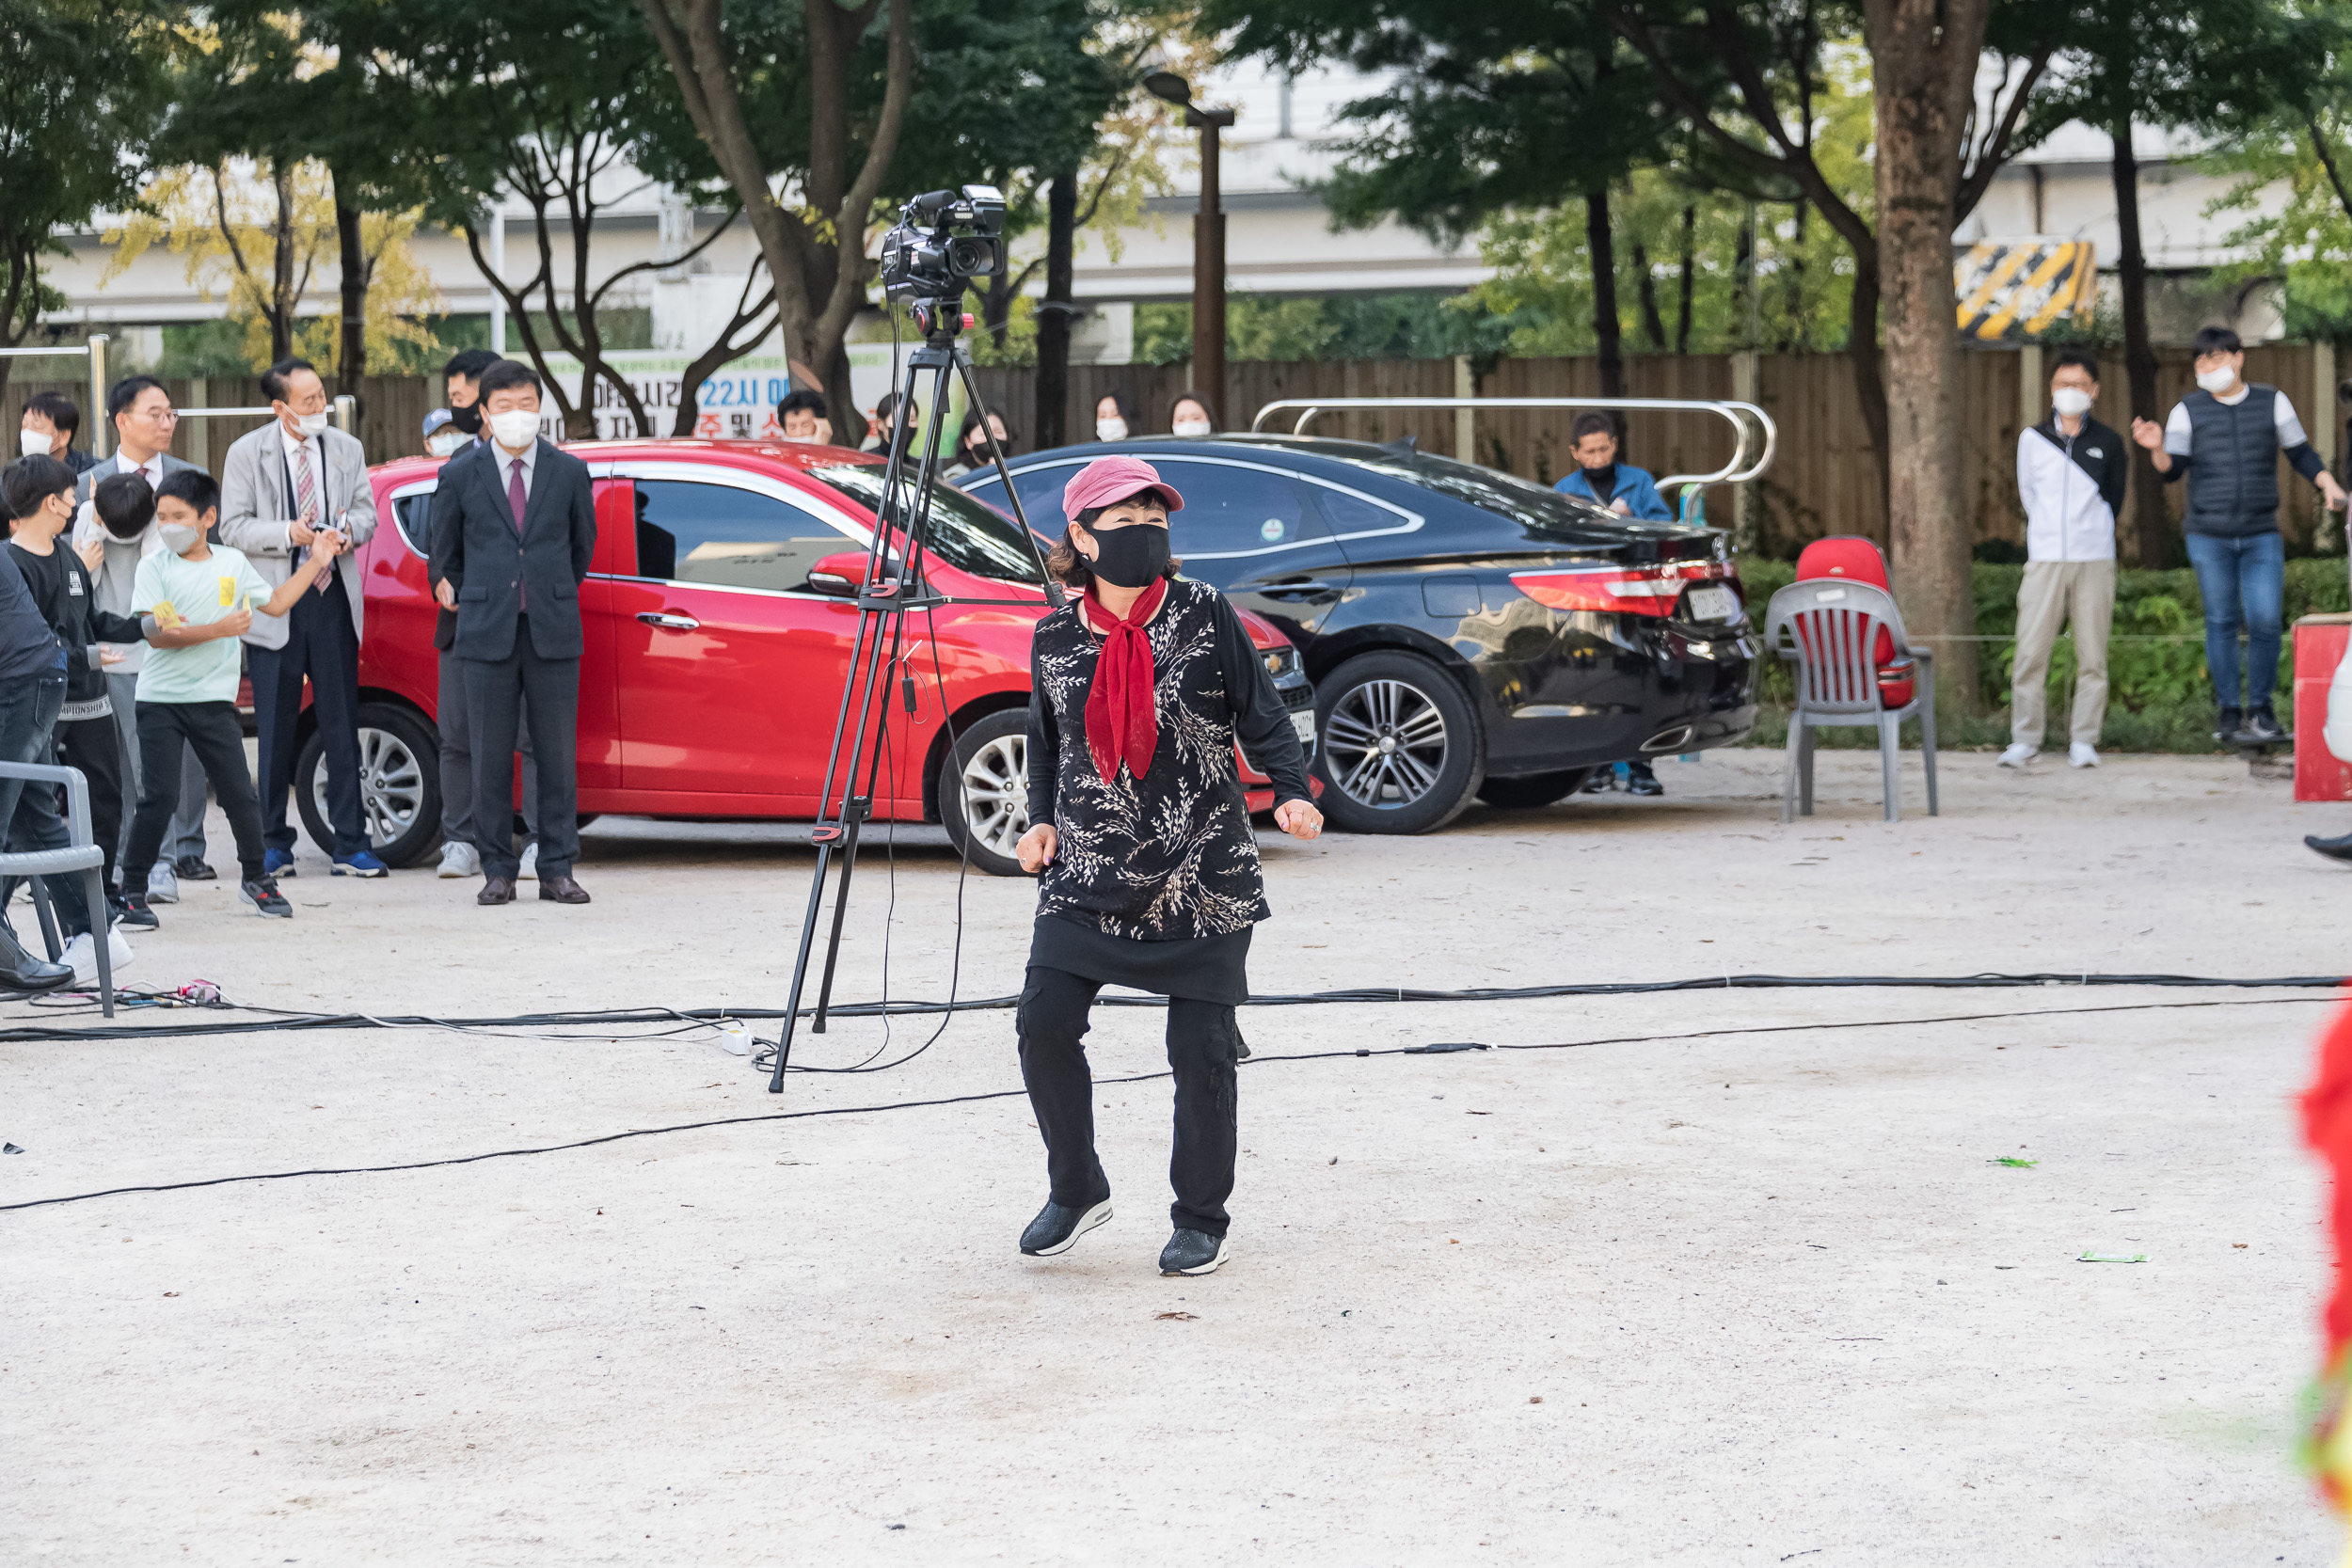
[1036, 847]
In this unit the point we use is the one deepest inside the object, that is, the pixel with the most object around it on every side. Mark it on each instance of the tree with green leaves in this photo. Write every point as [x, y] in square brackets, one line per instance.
[79, 83]
[2236, 70]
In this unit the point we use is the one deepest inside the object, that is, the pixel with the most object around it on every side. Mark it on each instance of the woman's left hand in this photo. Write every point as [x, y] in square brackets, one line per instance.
[1298, 818]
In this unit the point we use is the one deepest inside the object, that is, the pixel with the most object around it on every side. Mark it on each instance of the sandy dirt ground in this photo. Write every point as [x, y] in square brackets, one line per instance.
[1685, 1290]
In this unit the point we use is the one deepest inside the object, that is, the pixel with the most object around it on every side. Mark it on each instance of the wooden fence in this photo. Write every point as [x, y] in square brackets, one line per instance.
[1823, 480]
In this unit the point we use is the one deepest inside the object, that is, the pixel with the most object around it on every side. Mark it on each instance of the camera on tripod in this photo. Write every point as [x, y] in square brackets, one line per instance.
[942, 240]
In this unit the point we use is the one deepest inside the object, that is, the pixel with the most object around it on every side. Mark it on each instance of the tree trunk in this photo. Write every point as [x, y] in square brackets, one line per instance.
[351, 361]
[1682, 311]
[1600, 248]
[2140, 355]
[1653, 324]
[1924, 56]
[1055, 314]
[1743, 286]
[1869, 380]
[281, 300]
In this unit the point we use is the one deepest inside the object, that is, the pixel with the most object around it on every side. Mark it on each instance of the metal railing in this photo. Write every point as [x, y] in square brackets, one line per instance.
[1738, 471]
[96, 349]
[346, 407]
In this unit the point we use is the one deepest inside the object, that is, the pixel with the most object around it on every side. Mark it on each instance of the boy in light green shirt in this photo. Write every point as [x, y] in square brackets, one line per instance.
[202, 597]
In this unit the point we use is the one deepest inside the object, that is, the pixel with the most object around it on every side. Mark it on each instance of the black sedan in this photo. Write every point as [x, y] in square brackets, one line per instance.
[1469, 633]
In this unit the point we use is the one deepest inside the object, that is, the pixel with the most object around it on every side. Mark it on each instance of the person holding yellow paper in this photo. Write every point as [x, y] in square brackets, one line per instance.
[203, 598]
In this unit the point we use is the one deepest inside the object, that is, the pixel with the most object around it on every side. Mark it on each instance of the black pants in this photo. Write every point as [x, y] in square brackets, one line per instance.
[321, 644]
[211, 730]
[92, 746]
[1203, 1047]
[549, 688]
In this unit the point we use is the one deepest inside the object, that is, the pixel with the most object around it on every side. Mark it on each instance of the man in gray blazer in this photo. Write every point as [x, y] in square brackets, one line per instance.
[144, 422]
[288, 487]
[514, 530]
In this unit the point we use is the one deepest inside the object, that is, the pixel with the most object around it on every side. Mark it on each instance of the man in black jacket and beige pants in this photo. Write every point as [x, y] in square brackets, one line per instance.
[514, 530]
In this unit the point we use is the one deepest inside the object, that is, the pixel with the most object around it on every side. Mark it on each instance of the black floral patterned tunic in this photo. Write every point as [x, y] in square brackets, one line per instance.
[1155, 882]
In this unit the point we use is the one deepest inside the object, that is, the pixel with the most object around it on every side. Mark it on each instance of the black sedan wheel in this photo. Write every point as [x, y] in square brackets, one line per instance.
[1533, 790]
[984, 791]
[400, 784]
[1401, 747]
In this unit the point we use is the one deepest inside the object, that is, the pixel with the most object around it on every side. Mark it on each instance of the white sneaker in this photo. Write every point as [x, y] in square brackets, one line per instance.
[2081, 755]
[530, 872]
[82, 952]
[2017, 756]
[163, 884]
[460, 859]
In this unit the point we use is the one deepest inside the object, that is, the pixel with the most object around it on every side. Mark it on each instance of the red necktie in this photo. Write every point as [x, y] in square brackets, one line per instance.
[514, 496]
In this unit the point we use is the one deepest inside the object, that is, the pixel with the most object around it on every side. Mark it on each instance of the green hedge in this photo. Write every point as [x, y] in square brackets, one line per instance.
[2158, 695]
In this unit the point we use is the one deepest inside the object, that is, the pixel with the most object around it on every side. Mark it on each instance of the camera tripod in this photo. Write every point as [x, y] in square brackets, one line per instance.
[893, 589]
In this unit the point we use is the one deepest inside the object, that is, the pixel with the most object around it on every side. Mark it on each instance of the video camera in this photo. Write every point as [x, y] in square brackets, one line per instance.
[942, 240]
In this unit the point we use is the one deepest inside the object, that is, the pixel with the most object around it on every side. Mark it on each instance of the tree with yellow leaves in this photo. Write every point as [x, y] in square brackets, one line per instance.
[255, 232]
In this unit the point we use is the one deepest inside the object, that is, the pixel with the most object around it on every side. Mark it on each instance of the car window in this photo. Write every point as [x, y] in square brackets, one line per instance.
[966, 534]
[1231, 511]
[720, 536]
[414, 516]
[1041, 491]
[1350, 515]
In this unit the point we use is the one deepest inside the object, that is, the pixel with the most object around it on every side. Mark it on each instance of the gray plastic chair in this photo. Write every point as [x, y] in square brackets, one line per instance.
[1829, 628]
[81, 853]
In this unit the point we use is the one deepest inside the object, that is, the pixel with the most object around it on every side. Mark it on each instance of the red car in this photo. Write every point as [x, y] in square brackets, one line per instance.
[719, 625]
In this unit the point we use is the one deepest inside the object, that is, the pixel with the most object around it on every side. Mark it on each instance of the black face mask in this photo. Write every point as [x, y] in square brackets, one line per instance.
[467, 418]
[1132, 556]
[1603, 482]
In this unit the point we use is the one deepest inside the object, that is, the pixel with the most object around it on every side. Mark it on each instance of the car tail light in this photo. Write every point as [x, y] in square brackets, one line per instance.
[1651, 590]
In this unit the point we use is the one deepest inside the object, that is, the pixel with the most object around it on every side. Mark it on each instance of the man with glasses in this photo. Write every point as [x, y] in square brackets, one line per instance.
[289, 487]
[144, 421]
[2234, 433]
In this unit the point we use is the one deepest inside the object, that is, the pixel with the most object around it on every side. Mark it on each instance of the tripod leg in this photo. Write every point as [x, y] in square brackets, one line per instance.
[799, 969]
[840, 911]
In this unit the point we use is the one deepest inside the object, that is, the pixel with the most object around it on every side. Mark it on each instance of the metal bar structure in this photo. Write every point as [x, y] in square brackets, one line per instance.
[1738, 471]
[102, 429]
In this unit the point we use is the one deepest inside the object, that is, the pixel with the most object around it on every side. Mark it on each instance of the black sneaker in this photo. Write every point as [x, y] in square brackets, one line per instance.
[1640, 781]
[1057, 1227]
[1604, 779]
[2226, 727]
[192, 868]
[2260, 729]
[266, 898]
[1192, 1252]
[2334, 849]
[133, 914]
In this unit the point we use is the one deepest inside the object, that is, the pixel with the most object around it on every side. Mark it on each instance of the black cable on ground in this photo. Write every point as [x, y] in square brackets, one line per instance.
[1138, 1078]
[275, 1019]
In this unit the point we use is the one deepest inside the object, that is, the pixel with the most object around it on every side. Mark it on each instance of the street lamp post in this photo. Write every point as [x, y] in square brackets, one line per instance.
[1208, 239]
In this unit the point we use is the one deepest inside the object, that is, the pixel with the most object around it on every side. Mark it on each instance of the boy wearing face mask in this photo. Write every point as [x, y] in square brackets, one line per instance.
[2071, 471]
[2234, 433]
[38, 496]
[202, 598]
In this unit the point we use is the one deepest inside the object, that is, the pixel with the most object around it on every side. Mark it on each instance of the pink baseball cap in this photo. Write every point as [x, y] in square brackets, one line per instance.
[1114, 479]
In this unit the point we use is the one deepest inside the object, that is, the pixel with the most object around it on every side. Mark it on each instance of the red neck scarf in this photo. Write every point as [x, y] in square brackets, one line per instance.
[1121, 725]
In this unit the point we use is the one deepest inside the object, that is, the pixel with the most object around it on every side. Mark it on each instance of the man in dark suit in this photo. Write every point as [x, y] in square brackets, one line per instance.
[514, 530]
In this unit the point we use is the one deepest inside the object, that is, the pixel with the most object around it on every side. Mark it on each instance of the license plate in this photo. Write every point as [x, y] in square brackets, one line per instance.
[1303, 720]
[1712, 603]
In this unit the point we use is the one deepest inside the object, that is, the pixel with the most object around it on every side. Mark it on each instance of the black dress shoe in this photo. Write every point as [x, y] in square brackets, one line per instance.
[1057, 1227]
[193, 869]
[496, 889]
[2334, 849]
[1192, 1252]
[20, 970]
[561, 890]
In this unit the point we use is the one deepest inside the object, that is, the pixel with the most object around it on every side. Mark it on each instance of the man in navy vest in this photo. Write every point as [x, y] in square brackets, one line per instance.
[2234, 434]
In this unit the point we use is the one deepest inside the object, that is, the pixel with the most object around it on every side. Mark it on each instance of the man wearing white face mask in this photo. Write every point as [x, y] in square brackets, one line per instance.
[2234, 433]
[2071, 471]
[287, 489]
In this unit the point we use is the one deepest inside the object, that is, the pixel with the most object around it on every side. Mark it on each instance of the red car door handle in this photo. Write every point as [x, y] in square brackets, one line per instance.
[669, 623]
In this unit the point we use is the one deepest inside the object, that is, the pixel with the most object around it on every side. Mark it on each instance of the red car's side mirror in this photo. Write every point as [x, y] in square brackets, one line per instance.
[842, 572]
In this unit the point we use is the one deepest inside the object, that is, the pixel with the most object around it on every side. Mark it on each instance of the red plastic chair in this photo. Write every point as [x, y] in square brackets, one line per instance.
[1857, 558]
